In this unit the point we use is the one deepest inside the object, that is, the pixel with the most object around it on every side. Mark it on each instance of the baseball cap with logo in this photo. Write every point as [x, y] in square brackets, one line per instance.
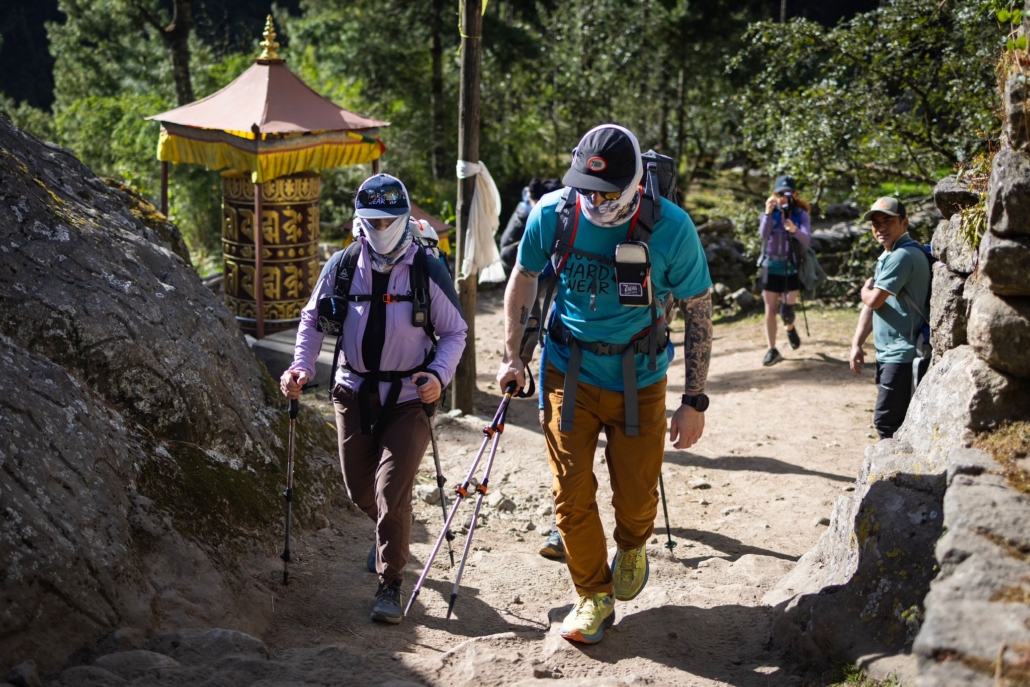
[604, 161]
[381, 197]
[888, 206]
[785, 183]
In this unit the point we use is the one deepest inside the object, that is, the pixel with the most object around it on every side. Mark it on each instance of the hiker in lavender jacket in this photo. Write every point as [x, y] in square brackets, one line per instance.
[785, 228]
[383, 429]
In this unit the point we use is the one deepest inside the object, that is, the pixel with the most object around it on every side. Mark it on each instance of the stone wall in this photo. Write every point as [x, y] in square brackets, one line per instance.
[142, 445]
[977, 615]
[931, 553]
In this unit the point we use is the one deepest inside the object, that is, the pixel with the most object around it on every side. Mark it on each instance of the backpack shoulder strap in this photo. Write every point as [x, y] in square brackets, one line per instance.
[347, 269]
[565, 232]
[419, 280]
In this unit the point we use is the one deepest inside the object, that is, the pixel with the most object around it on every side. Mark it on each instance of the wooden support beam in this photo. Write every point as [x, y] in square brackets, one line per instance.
[468, 149]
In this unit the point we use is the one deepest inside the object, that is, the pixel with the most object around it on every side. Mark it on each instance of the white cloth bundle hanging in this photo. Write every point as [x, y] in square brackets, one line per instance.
[484, 218]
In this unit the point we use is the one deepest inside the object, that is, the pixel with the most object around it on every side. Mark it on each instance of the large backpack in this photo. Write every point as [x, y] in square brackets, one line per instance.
[659, 182]
[920, 337]
[419, 296]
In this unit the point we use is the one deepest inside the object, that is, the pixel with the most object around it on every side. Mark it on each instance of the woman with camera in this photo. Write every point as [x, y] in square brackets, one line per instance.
[785, 229]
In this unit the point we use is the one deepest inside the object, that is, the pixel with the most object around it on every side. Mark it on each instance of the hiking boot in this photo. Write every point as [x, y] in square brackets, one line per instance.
[793, 338]
[630, 570]
[772, 356]
[370, 562]
[387, 608]
[588, 619]
[554, 547]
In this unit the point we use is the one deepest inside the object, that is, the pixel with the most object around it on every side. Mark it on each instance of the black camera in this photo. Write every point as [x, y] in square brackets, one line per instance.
[787, 203]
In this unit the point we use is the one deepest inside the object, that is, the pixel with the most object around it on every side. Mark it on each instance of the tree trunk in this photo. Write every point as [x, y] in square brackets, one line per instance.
[177, 36]
[436, 88]
[681, 148]
[468, 149]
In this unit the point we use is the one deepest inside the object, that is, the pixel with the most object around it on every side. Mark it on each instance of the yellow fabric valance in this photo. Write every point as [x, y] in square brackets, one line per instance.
[265, 158]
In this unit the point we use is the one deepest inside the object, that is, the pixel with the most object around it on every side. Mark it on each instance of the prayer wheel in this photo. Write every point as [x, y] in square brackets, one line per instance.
[290, 228]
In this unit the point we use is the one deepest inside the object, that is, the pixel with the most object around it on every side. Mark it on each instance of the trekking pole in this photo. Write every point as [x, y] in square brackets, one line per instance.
[288, 494]
[804, 314]
[494, 431]
[670, 545]
[460, 492]
[430, 409]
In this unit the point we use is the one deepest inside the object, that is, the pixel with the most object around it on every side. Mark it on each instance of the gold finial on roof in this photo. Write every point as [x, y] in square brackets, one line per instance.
[269, 45]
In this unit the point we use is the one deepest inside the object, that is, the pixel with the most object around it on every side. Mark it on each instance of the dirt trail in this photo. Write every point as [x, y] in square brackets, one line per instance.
[780, 444]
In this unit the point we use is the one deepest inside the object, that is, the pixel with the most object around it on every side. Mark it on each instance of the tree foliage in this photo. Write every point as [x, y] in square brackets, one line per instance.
[902, 92]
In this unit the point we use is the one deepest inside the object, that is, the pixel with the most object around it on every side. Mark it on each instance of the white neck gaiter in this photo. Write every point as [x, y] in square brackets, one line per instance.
[611, 213]
[389, 245]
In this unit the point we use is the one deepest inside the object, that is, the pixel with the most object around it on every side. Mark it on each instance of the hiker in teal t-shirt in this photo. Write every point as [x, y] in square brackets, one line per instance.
[606, 361]
[894, 310]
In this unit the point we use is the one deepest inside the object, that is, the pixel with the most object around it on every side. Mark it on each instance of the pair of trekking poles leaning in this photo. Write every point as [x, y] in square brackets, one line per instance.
[491, 435]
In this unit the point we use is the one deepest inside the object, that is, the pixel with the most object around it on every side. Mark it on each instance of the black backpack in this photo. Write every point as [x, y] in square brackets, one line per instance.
[419, 296]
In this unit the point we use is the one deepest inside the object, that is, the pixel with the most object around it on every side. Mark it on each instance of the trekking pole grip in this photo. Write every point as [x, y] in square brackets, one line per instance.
[294, 408]
[430, 408]
[511, 387]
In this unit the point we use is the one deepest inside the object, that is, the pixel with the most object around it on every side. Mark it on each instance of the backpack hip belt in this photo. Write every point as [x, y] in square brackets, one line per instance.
[653, 342]
[374, 377]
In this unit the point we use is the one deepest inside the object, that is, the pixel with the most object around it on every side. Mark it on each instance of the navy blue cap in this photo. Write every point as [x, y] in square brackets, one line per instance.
[785, 183]
[381, 196]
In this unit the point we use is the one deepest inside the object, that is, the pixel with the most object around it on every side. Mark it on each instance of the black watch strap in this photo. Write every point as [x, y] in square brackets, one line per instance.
[698, 403]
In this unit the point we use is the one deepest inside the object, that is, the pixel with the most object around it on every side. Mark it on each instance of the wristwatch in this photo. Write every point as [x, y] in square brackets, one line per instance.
[698, 403]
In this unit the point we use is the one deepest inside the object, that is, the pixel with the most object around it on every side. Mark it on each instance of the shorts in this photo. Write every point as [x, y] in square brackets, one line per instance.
[780, 283]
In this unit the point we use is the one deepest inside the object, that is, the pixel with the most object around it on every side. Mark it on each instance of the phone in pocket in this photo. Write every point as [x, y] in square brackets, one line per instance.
[633, 274]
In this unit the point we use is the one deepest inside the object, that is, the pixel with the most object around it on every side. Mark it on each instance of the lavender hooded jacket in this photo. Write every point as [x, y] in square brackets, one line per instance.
[776, 238]
[406, 346]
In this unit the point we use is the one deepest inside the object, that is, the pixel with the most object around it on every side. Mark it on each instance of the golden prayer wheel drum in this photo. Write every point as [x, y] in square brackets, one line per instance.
[289, 223]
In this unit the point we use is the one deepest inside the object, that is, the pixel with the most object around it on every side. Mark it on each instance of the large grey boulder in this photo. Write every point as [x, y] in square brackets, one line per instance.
[947, 310]
[1005, 264]
[999, 332]
[141, 443]
[975, 606]
[1016, 129]
[860, 590]
[1008, 194]
[952, 194]
[949, 246]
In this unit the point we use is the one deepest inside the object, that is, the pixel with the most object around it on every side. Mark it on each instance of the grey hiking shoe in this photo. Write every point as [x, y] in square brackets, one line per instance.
[370, 562]
[387, 608]
[772, 357]
[793, 338]
[554, 547]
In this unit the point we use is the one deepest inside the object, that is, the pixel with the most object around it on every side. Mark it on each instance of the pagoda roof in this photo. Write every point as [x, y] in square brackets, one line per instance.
[267, 99]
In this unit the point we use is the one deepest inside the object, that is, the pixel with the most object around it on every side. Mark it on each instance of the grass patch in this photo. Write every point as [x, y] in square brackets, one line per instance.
[1009, 445]
[853, 676]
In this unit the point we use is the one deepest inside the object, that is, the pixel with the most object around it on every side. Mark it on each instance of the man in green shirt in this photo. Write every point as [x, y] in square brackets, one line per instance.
[893, 309]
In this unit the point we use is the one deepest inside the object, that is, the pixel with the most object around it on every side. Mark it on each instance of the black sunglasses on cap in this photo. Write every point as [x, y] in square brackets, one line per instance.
[389, 195]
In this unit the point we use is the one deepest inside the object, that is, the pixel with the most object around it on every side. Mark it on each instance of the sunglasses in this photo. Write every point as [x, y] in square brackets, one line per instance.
[610, 195]
[390, 195]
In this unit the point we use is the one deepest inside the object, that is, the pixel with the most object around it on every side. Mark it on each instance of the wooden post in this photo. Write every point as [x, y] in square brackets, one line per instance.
[375, 166]
[164, 189]
[259, 262]
[468, 150]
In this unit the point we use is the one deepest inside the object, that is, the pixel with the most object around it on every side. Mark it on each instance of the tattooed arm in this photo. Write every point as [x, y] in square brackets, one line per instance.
[519, 297]
[687, 424]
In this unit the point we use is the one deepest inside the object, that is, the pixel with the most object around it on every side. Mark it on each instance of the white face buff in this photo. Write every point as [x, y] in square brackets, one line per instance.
[386, 240]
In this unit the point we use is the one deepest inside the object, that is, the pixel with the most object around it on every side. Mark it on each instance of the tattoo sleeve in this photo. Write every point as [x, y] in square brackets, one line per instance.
[524, 317]
[697, 341]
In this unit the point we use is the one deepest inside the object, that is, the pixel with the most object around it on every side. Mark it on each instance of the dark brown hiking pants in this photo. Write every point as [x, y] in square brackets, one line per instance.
[379, 472]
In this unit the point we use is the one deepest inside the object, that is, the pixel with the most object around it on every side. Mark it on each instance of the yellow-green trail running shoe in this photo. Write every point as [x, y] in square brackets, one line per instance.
[588, 619]
[630, 570]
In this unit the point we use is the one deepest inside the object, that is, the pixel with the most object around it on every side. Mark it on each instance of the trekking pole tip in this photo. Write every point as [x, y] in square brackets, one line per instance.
[450, 605]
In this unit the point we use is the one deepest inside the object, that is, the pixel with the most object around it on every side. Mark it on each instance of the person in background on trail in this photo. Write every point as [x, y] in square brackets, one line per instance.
[602, 373]
[784, 222]
[512, 235]
[891, 313]
[383, 429]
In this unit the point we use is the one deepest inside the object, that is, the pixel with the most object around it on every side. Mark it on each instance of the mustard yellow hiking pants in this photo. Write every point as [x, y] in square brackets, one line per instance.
[634, 464]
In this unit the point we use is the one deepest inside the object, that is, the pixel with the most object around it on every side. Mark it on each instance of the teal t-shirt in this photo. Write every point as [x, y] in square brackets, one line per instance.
[678, 266]
[896, 323]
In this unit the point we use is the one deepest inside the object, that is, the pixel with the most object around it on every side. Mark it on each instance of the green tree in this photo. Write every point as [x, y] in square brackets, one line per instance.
[897, 93]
